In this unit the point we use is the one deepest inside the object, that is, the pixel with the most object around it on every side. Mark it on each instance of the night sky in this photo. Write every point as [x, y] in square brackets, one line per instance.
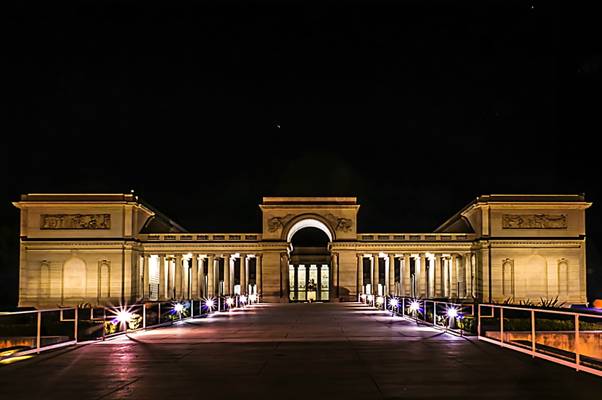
[202, 108]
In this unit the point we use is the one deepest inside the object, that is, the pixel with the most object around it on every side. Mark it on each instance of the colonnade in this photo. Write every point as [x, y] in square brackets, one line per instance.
[421, 275]
[194, 276]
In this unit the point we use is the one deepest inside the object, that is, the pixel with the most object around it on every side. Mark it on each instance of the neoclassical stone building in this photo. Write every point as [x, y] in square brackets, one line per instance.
[115, 248]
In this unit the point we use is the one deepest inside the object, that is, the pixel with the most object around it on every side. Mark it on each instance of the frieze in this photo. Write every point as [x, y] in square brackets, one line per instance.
[340, 224]
[277, 223]
[534, 221]
[75, 221]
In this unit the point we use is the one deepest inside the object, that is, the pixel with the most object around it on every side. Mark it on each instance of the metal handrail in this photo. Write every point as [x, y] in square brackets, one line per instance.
[549, 356]
[404, 301]
[549, 311]
[109, 316]
[35, 311]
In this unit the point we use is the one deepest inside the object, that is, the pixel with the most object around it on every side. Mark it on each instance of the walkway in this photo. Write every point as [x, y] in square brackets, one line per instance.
[293, 351]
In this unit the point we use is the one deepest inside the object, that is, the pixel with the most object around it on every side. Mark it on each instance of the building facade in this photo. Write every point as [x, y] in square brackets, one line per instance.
[116, 249]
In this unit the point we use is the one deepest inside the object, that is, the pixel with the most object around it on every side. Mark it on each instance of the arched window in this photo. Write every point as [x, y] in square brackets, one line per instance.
[508, 277]
[104, 274]
[44, 280]
[563, 277]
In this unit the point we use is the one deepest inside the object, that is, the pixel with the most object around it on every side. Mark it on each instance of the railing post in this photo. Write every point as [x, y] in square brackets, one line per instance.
[403, 306]
[143, 315]
[479, 321]
[104, 321]
[39, 331]
[533, 348]
[502, 324]
[191, 308]
[577, 340]
[159, 315]
[434, 313]
[76, 323]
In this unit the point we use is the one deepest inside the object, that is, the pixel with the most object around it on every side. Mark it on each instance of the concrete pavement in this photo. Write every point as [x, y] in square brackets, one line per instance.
[293, 351]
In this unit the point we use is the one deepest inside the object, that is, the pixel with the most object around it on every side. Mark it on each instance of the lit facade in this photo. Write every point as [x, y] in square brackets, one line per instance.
[114, 248]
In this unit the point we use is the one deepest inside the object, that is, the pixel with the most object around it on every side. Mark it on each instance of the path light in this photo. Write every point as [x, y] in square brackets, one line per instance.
[179, 307]
[380, 300]
[209, 303]
[252, 298]
[229, 302]
[363, 297]
[369, 298]
[123, 316]
[243, 299]
[452, 313]
[393, 302]
[414, 306]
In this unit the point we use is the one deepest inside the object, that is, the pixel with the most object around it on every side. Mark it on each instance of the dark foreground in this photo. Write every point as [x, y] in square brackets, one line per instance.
[293, 351]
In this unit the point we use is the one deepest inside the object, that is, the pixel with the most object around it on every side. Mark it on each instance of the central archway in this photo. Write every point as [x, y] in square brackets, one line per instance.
[308, 223]
[309, 266]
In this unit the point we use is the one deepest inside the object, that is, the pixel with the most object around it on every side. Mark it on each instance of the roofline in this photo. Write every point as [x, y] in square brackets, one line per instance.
[517, 198]
[96, 198]
[309, 200]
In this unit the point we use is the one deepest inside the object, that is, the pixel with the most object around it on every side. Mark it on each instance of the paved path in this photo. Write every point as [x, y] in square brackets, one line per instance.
[293, 351]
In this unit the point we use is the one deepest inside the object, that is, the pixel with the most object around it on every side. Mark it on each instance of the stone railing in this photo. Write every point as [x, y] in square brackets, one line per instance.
[201, 237]
[413, 237]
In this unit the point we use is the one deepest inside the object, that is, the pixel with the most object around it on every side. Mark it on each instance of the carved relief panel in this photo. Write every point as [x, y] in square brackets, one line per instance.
[75, 221]
[534, 221]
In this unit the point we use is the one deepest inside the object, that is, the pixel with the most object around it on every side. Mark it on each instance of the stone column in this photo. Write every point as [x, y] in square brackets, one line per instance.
[227, 268]
[178, 274]
[391, 271]
[453, 279]
[145, 292]
[375, 274]
[469, 275]
[422, 277]
[201, 275]
[258, 276]
[464, 274]
[243, 274]
[360, 274]
[194, 284]
[169, 278]
[334, 274]
[284, 279]
[406, 278]
[162, 277]
[210, 276]
[438, 275]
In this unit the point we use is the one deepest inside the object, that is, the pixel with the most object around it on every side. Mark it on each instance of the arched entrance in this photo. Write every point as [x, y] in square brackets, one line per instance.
[309, 266]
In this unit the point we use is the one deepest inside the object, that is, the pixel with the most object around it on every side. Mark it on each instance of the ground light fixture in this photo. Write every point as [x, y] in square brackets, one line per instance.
[363, 296]
[414, 307]
[123, 316]
[252, 298]
[393, 302]
[178, 307]
[243, 299]
[369, 298]
[380, 300]
[230, 302]
[209, 303]
[452, 313]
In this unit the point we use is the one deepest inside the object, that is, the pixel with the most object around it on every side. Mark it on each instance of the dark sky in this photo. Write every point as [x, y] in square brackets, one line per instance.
[415, 107]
